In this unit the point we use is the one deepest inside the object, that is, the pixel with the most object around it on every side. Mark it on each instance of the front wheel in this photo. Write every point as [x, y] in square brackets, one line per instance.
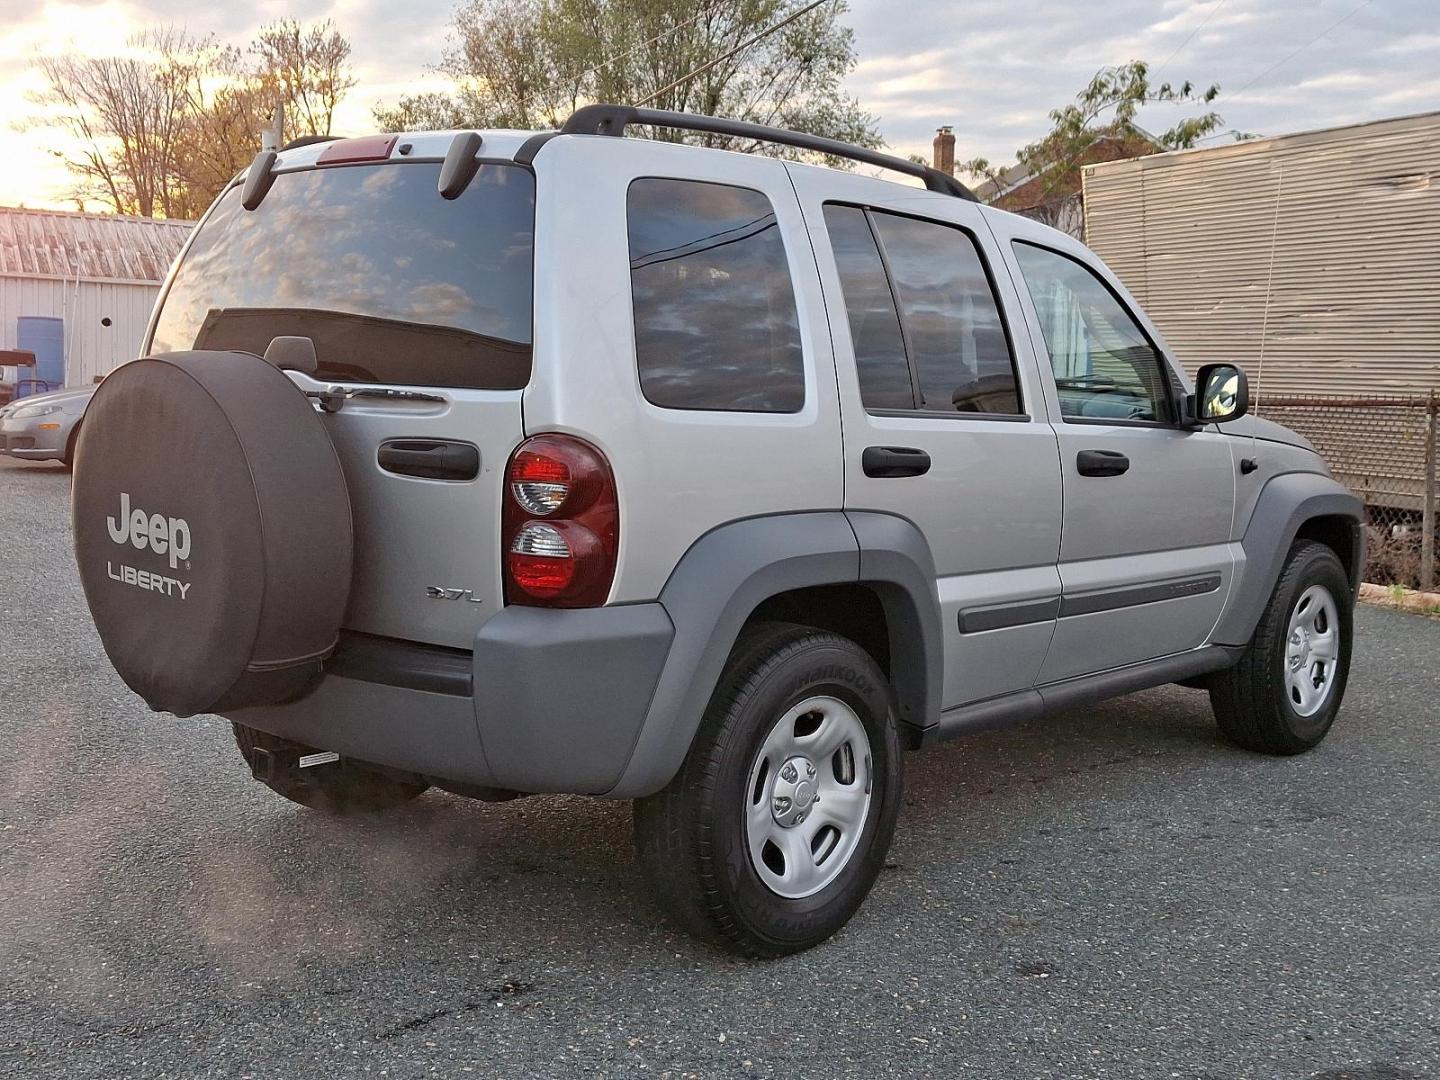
[1282, 696]
[778, 823]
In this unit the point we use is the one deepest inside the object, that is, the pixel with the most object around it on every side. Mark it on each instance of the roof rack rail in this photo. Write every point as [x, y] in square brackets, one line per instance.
[614, 119]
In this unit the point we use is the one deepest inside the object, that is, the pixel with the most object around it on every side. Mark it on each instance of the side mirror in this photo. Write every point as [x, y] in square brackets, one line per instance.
[1222, 393]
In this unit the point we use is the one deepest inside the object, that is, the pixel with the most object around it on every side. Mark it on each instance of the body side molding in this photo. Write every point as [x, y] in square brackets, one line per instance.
[1097, 600]
[976, 620]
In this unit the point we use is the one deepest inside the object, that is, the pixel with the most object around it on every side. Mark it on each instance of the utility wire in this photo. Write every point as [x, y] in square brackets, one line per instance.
[644, 44]
[1282, 62]
[1324, 33]
[726, 56]
[1189, 37]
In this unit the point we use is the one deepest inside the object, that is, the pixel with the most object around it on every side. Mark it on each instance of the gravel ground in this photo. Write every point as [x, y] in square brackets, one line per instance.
[1108, 893]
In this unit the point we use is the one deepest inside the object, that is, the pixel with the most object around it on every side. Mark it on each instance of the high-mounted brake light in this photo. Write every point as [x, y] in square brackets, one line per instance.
[560, 525]
[350, 151]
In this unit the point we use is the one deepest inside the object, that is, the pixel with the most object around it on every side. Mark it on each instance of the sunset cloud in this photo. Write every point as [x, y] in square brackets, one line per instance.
[991, 68]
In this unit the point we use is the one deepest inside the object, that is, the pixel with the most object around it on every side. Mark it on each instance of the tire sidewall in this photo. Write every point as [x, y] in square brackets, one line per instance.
[1316, 566]
[829, 669]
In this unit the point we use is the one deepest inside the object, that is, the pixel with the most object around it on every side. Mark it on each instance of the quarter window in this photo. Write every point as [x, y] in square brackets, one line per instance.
[1105, 367]
[875, 332]
[928, 335]
[715, 319]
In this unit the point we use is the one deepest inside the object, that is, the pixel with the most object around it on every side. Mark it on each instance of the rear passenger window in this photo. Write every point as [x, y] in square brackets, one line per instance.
[874, 324]
[715, 320]
[945, 350]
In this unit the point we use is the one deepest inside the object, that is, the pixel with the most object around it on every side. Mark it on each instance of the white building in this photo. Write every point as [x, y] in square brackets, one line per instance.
[98, 273]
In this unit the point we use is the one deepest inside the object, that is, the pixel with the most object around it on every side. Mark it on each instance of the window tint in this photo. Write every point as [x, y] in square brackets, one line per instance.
[956, 340]
[874, 325]
[1105, 366]
[715, 319]
[393, 283]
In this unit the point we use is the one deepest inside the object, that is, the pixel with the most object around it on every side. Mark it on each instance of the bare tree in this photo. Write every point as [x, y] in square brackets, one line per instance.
[224, 114]
[127, 113]
[309, 67]
[165, 126]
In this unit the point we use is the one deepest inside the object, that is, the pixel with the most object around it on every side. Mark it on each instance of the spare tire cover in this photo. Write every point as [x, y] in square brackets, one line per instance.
[212, 531]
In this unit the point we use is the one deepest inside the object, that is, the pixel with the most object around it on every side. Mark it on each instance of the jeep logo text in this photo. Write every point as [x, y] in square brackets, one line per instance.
[162, 535]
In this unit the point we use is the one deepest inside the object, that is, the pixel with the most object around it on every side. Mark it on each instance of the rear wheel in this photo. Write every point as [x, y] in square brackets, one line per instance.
[338, 786]
[1283, 695]
[778, 823]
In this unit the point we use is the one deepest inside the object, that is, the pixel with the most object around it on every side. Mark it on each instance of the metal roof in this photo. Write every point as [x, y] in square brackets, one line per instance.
[62, 245]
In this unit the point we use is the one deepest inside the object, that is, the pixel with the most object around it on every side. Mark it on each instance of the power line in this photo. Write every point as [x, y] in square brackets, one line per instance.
[1281, 63]
[1188, 38]
[726, 56]
[644, 44]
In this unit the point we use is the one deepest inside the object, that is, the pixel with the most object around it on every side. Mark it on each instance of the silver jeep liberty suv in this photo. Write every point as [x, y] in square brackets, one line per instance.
[511, 463]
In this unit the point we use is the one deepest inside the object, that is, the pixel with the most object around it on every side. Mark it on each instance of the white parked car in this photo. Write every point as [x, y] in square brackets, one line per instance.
[44, 427]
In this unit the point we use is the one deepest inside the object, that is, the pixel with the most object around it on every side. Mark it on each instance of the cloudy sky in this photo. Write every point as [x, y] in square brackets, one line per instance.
[990, 68]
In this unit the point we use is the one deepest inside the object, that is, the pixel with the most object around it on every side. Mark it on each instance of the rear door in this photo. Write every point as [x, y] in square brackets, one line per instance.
[943, 419]
[420, 312]
[1145, 560]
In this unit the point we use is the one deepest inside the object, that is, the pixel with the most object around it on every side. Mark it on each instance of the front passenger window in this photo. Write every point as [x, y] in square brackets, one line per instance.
[1105, 367]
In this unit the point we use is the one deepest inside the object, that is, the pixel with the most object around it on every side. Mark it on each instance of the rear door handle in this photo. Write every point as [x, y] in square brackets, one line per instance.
[430, 459]
[1101, 463]
[888, 461]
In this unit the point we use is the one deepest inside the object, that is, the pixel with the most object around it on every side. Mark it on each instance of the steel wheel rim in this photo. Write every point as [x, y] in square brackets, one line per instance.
[1312, 651]
[807, 797]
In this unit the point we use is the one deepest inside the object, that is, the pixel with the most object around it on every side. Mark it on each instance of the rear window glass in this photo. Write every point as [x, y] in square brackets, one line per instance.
[715, 320]
[393, 283]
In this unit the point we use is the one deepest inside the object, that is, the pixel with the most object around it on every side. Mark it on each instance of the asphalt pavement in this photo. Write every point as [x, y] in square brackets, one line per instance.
[1109, 893]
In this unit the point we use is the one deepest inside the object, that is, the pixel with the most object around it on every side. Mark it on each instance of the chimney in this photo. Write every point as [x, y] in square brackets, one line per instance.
[944, 151]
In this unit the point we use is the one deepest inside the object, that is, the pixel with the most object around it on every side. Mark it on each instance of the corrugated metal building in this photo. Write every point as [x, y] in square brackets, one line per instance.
[1354, 214]
[99, 273]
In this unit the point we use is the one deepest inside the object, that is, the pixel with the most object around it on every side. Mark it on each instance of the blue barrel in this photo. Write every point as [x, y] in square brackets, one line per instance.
[45, 337]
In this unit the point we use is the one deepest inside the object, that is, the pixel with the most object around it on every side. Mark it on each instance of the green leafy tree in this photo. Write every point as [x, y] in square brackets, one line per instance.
[1102, 118]
[529, 63]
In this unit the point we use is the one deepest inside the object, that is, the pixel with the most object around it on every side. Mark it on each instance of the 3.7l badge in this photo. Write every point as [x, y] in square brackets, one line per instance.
[435, 592]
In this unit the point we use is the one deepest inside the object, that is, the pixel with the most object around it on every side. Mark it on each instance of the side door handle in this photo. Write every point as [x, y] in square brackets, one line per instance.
[430, 459]
[887, 461]
[1101, 463]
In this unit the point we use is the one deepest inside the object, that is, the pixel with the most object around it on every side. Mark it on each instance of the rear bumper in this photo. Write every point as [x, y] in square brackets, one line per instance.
[548, 701]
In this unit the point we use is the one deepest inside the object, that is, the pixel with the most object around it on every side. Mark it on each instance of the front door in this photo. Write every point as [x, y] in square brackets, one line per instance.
[943, 418]
[1145, 560]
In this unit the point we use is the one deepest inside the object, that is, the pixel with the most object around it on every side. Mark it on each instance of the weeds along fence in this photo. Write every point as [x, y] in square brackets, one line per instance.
[1383, 448]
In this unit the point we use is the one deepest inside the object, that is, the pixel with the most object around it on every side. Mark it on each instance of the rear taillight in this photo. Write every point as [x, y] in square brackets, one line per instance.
[561, 524]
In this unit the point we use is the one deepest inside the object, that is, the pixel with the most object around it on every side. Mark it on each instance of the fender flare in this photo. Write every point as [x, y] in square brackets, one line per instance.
[1284, 505]
[730, 571]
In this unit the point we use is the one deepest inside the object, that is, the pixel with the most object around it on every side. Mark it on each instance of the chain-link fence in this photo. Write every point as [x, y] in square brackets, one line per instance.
[1383, 449]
